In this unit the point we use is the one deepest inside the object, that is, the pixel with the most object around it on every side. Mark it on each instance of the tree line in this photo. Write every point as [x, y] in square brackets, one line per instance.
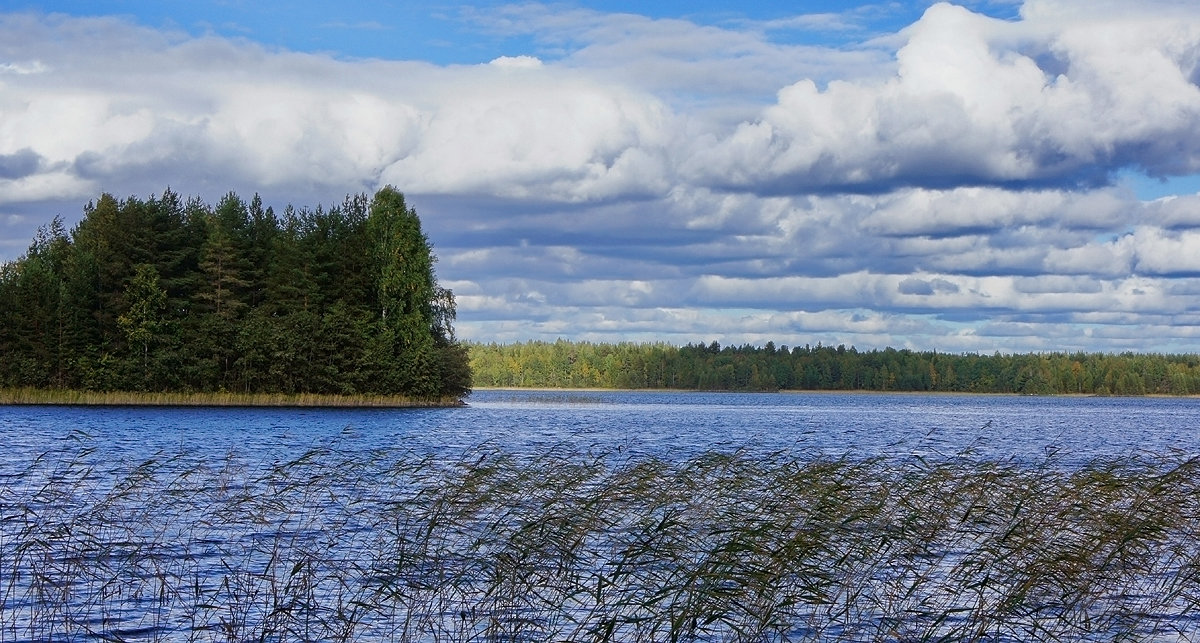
[564, 364]
[173, 294]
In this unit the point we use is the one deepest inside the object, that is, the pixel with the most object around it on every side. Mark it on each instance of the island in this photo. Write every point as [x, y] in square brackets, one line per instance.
[167, 300]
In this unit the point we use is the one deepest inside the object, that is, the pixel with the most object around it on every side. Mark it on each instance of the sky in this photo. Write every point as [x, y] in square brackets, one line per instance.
[973, 177]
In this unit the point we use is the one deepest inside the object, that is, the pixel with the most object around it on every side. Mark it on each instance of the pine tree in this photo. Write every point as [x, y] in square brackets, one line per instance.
[143, 322]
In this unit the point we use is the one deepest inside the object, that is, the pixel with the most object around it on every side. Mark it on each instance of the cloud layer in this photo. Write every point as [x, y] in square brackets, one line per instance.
[952, 186]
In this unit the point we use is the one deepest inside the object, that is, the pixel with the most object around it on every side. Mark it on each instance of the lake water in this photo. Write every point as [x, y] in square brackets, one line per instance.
[134, 523]
[668, 425]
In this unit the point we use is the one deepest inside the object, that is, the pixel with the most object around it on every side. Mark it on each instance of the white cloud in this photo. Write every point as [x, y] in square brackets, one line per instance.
[1165, 253]
[1110, 259]
[517, 62]
[280, 133]
[22, 67]
[1176, 211]
[977, 100]
[46, 186]
[545, 136]
[958, 211]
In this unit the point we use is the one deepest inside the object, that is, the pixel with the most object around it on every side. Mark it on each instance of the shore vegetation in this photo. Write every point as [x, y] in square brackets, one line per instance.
[44, 397]
[713, 367]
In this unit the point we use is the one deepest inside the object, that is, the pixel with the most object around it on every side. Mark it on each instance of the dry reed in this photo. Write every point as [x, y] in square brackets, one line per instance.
[34, 396]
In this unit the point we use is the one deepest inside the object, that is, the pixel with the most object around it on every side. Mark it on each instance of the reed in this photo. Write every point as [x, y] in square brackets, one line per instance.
[343, 544]
[34, 396]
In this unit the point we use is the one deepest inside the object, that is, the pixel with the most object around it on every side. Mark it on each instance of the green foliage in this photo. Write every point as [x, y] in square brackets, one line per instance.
[564, 364]
[168, 295]
[142, 323]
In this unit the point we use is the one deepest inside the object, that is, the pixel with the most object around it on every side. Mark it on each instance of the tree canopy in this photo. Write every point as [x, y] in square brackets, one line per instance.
[168, 294]
[564, 364]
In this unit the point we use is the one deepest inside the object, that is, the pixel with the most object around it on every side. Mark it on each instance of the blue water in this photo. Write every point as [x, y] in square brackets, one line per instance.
[199, 540]
[669, 425]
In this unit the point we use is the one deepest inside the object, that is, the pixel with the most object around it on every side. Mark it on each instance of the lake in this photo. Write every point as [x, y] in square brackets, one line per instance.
[573, 515]
[668, 425]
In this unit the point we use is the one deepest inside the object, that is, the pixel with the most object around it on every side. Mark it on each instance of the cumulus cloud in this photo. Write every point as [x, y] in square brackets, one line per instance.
[1160, 252]
[537, 135]
[511, 128]
[1063, 97]
[517, 62]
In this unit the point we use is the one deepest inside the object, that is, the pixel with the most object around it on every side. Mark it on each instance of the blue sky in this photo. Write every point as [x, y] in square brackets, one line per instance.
[979, 176]
[453, 32]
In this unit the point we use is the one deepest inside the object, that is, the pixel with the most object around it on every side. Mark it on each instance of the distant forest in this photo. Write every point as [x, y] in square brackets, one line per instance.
[168, 294]
[564, 364]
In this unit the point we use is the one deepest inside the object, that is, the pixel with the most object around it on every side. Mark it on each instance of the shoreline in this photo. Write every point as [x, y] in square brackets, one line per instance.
[53, 397]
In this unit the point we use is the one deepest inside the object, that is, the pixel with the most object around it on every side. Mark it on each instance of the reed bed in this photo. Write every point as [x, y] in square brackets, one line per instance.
[34, 396]
[341, 544]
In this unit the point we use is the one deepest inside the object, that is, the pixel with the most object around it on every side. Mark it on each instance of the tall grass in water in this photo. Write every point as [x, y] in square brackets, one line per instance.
[341, 544]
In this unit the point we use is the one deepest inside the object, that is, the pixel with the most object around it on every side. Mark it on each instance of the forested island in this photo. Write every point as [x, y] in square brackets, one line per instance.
[564, 364]
[167, 294]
